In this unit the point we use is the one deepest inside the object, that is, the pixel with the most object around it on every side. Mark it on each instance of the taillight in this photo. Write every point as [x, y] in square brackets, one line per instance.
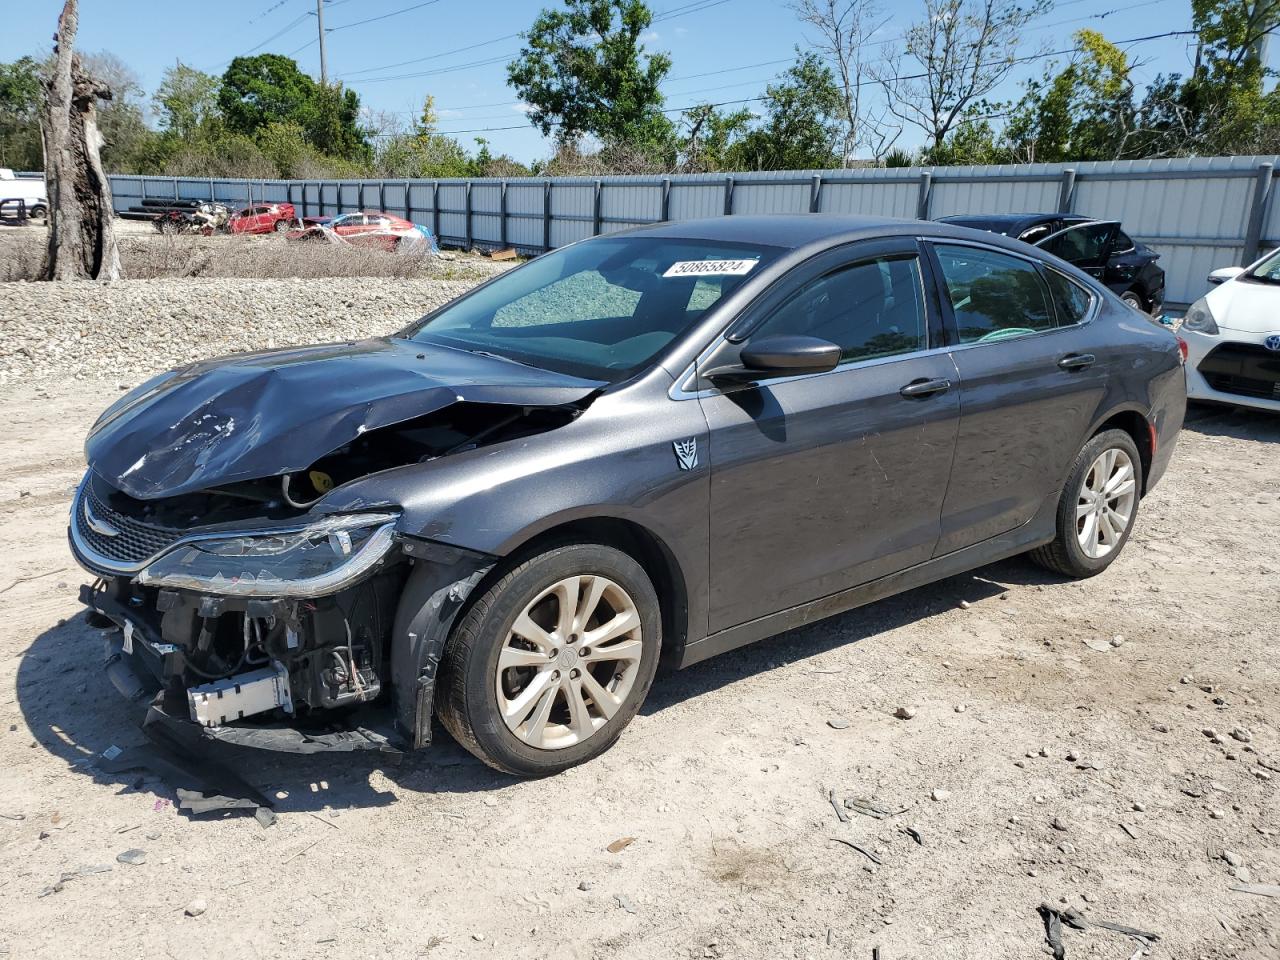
[1152, 427]
[1182, 349]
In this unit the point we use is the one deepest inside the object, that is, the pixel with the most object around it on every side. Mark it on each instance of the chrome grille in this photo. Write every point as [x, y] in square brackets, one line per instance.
[134, 542]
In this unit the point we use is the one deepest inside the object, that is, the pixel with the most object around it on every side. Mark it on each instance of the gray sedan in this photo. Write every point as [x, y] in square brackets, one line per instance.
[656, 445]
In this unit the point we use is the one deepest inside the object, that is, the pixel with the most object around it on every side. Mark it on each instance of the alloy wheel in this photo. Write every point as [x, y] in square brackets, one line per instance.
[1105, 504]
[569, 661]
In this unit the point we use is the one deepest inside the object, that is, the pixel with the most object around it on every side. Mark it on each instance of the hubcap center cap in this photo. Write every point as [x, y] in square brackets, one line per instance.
[567, 658]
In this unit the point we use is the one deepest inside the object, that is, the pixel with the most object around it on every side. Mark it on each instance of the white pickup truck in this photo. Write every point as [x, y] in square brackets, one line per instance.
[30, 189]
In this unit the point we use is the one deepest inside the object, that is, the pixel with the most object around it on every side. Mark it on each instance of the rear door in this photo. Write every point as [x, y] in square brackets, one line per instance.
[1032, 374]
[824, 481]
[1086, 246]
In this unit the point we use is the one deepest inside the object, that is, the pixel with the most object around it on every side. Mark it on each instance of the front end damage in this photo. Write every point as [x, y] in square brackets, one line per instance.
[299, 638]
[250, 616]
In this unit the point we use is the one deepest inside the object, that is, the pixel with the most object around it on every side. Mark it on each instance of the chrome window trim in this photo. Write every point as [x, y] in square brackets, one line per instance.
[680, 387]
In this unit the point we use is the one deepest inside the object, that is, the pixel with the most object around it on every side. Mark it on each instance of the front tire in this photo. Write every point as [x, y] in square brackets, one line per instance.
[552, 661]
[1098, 507]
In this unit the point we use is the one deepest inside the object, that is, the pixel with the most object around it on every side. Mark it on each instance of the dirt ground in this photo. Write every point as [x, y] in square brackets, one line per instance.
[1062, 773]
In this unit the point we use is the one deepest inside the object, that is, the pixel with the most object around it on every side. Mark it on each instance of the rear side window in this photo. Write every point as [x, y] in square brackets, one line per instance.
[871, 309]
[993, 296]
[1071, 300]
[1085, 244]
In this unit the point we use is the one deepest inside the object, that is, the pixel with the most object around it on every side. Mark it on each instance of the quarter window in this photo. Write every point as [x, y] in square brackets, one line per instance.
[993, 296]
[1069, 298]
[871, 309]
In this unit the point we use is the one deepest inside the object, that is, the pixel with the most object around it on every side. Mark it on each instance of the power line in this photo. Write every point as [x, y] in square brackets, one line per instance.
[860, 83]
[697, 6]
[385, 16]
[434, 56]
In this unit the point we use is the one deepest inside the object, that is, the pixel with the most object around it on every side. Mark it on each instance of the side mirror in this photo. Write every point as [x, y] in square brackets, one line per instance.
[1223, 274]
[780, 356]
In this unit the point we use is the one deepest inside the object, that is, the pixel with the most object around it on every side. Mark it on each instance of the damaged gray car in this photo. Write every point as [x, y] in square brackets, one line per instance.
[657, 445]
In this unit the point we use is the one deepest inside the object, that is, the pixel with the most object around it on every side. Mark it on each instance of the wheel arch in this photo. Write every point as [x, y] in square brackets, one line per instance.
[638, 542]
[1133, 422]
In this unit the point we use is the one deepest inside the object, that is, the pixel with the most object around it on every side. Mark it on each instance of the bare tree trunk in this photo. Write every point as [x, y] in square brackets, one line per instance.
[82, 239]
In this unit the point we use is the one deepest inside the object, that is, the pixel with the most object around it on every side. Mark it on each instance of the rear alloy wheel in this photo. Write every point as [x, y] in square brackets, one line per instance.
[282, 226]
[1134, 300]
[552, 662]
[1098, 507]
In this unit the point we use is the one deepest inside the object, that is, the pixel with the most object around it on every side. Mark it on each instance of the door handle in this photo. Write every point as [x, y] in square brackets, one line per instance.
[918, 389]
[1077, 361]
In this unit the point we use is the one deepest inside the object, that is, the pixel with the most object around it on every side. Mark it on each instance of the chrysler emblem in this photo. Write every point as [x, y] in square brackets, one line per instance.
[96, 525]
[1272, 342]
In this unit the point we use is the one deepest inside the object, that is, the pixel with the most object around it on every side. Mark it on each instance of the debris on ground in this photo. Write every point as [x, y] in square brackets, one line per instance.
[1258, 889]
[620, 844]
[840, 814]
[134, 857]
[196, 907]
[838, 723]
[939, 794]
[625, 902]
[905, 713]
[862, 850]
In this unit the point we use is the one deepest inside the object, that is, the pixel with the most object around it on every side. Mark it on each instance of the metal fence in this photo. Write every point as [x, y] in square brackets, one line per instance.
[1197, 213]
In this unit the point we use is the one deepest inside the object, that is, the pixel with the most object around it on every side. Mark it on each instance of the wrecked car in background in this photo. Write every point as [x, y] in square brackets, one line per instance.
[378, 230]
[668, 442]
[264, 218]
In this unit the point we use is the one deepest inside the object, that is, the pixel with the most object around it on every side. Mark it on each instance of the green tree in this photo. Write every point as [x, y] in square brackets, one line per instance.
[584, 70]
[20, 115]
[186, 101]
[1086, 111]
[269, 88]
[709, 136]
[973, 140]
[801, 128]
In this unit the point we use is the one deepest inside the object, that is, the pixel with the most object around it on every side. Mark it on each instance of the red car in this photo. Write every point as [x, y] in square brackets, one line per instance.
[265, 218]
[365, 229]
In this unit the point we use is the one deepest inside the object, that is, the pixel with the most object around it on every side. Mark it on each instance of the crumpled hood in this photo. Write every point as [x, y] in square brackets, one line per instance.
[1246, 306]
[264, 414]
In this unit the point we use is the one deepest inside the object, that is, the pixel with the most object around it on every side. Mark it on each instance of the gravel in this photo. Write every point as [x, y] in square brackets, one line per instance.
[128, 330]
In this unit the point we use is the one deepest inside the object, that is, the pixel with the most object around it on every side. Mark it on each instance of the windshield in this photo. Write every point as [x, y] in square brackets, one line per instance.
[602, 309]
[1268, 271]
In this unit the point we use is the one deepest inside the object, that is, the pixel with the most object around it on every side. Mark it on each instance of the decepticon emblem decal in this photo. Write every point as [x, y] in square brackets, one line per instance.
[686, 453]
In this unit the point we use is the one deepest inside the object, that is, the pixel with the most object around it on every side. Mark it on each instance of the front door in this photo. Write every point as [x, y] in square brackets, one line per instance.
[1032, 374]
[825, 481]
[1086, 246]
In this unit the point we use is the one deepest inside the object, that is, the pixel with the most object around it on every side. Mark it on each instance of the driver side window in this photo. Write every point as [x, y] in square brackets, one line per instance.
[870, 309]
[993, 296]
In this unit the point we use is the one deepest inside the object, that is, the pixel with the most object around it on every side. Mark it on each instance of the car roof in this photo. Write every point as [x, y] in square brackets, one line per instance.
[792, 231]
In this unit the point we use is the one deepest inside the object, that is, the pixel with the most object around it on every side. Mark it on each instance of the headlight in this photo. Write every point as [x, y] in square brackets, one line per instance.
[314, 561]
[1199, 319]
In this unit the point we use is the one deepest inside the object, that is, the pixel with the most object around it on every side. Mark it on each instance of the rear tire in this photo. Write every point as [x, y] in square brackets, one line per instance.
[1080, 548]
[518, 673]
[281, 226]
[38, 212]
[1134, 299]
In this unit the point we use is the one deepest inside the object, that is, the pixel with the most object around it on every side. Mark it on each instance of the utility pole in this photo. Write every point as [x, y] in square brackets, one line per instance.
[324, 67]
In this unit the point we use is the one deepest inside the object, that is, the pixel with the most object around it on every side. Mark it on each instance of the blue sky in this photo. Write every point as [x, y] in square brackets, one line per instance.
[721, 49]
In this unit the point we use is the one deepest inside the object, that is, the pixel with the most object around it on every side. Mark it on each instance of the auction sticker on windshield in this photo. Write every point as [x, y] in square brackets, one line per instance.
[709, 268]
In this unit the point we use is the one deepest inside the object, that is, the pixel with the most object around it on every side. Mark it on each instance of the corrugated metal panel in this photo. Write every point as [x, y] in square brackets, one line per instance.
[870, 199]
[986, 196]
[625, 202]
[692, 200]
[771, 197]
[1195, 212]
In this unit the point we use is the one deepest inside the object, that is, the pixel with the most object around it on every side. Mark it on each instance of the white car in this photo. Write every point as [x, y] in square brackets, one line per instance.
[1233, 337]
[29, 189]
